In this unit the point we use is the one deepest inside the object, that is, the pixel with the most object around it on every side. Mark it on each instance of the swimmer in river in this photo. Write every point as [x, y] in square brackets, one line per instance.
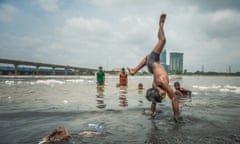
[160, 76]
[140, 86]
[181, 91]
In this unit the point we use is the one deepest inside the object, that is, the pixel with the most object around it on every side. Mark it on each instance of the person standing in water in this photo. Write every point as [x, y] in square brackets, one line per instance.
[123, 80]
[100, 77]
[160, 76]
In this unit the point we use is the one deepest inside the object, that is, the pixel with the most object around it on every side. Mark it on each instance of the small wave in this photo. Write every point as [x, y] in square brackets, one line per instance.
[207, 87]
[200, 87]
[8, 82]
[49, 81]
[31, 83]
[19, 82]
[224, 90]
[75, 80]
[216, 86]
[237, 91]
[194, 93]
[229, 88]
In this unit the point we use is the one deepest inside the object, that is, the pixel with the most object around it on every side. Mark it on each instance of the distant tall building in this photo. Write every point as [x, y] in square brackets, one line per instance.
[163, 59]
[176, 63]
[229, 69]
[202, 68]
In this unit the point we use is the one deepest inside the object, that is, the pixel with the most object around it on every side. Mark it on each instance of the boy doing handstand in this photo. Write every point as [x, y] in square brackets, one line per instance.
[160, 76]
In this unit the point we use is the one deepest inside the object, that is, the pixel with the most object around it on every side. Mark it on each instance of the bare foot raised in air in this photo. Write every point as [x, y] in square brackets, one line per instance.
[131, 71]
[162, 19]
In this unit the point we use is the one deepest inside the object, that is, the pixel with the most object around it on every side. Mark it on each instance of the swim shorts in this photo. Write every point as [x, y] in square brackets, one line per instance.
[153, 95]
[153, 57]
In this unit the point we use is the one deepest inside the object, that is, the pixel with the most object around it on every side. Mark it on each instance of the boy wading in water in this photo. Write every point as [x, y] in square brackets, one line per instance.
[160, 76]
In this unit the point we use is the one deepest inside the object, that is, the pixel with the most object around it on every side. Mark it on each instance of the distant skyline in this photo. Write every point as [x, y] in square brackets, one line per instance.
[119, 33]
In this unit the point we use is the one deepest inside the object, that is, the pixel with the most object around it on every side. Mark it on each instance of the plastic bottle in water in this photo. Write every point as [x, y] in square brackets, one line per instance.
[98, 127]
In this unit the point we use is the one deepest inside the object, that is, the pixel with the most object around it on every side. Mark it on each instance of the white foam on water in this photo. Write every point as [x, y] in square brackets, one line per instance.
[194, 93]
[207, 87]
[195, 86]
[49, 82]
[32, 83]
[214, 87]
[75, 80]
[8, 82]
[229, 88]
[200, 87]
[224, 90]
[19, 82]
[237, 91]
[65, 101]
[9, 99]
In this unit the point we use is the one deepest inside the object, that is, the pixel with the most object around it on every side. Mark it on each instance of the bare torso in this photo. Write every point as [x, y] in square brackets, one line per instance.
[159, 73]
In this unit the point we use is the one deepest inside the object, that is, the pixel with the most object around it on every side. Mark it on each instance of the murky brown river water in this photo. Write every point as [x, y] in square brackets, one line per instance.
[32, 107]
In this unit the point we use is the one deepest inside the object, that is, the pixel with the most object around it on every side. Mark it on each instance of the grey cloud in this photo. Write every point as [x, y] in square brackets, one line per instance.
[7, 12]
[47, 5]
[213, 5]
[117, 33]
[222, 23]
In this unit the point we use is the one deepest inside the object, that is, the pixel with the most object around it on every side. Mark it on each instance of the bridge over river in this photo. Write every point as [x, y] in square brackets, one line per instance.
[18, 67]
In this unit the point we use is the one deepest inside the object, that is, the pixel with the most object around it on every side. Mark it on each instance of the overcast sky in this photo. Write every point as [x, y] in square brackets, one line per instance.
[119, 33]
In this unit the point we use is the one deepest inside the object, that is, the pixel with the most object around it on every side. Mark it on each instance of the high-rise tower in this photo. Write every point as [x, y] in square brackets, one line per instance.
[176, 63]
[163, 59]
